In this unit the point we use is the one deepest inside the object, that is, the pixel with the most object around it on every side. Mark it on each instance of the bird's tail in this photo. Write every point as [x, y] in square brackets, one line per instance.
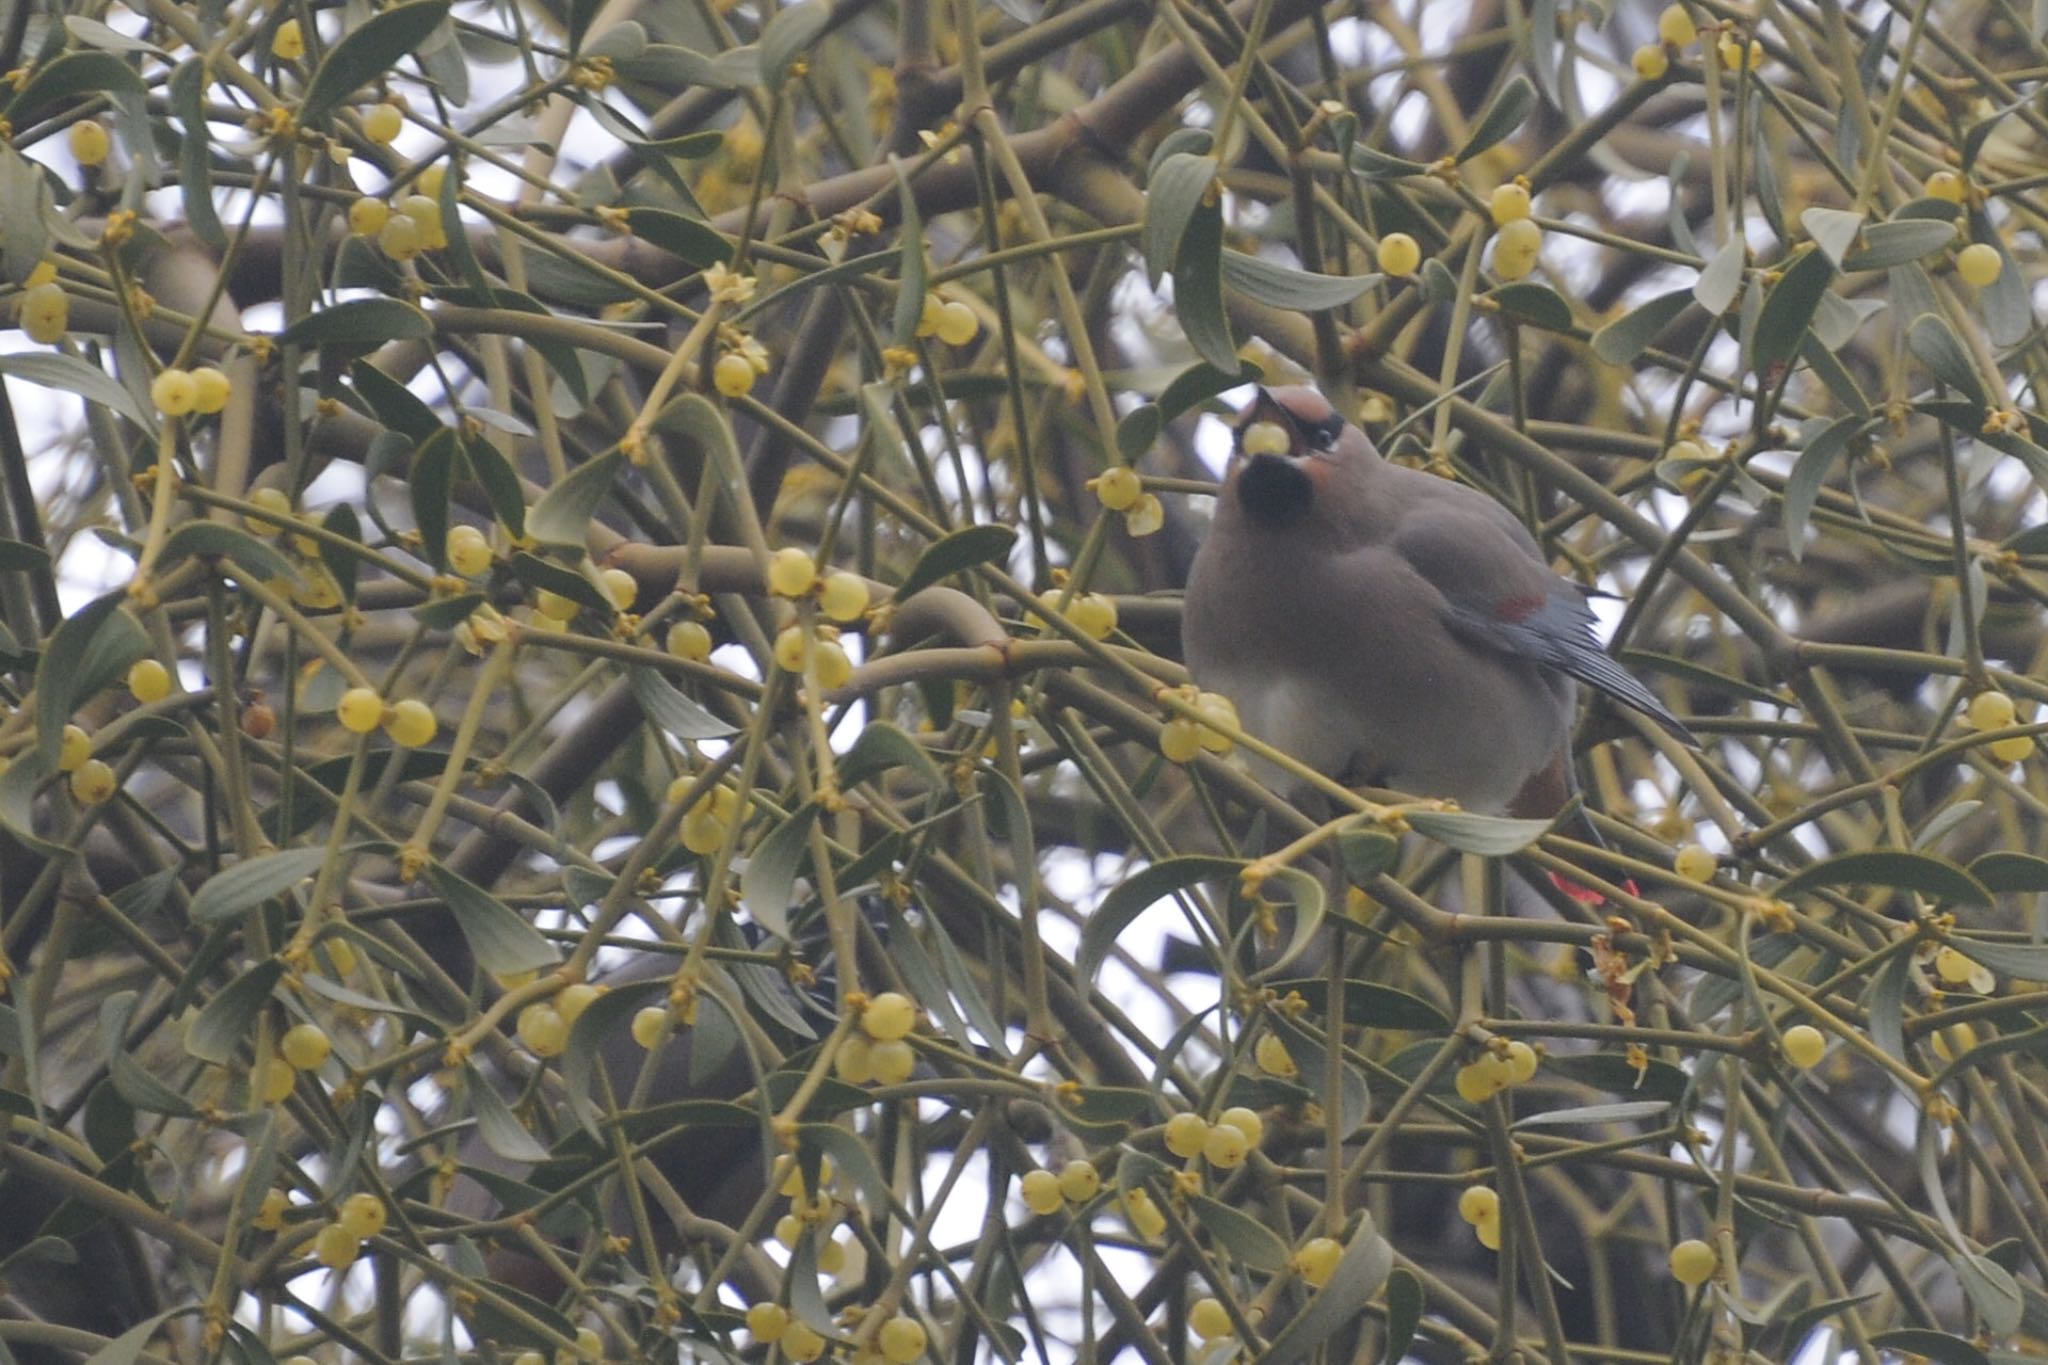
[1556, 789]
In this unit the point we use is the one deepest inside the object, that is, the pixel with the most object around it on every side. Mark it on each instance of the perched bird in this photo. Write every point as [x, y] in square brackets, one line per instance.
[1388, 627]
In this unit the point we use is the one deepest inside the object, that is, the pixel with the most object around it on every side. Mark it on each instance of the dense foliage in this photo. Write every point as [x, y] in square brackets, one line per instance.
[595, 758]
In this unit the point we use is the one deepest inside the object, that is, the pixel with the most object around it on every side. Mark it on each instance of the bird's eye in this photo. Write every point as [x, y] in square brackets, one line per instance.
[1323, 435]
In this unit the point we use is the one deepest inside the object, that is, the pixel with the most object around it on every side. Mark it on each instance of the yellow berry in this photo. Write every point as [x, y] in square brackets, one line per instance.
[2014, 750]
[429, 181]
[529, 1358]
[1675, 26]
[799, 1342]
[1522, 1062]
[575, 998]
[270, 1217]
[1516, 248]
[901, 1340]
[620, 587]
[767, 1321]
[1093, 614]
[1693, 1262]
[1953, 966]
[835, 667]
[844, 596]
[891, 1061]
[1488, 1233]
[542, 1029]
[411, 723]
[957, 324]
[1483, 1079]
[1180, 740]
[891, 1014]
[1979, 264]
[1186, 1134]
[469, 551]
[1509, 203]
[1143, 1215]
[363, 1214]
[1399, 255]
[1209, 1319]
[148, 681]
[272, 1079]
[703, 833]
[792, 642]
[1317, 1259]
[94, 782]
[73, 749]
[1953, 1041]
[690, 640]
[1947, 185]
[89, 142]
[400, 237]
[1478, 1204]
[1225, 1146]
[367, 217]
[1273, 1058]
[425, 212]
[556, 606]
[210, 389]
[1804, 1045]
[733, 375]
[1246, 1121]
[1265, 438]
[1695, 864]
[1145, 516]
[1079, 1180]
[589, 1345]
[928, 315]
[1734, 52]
[342, 954]
[381, 122]
[1041, 1192]
[1118, 487]
[1219, 717]
[791, 571]
[174, 392]
[649, 1024]
[289, 42]
[1991, 711]
[334, 1248]
[1651, 61]
[45, 313]
[360, 710]
[305, 1046]
[854, 1062]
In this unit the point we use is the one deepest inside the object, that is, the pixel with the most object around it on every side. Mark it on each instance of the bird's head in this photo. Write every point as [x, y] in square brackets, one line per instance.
[1289, 444]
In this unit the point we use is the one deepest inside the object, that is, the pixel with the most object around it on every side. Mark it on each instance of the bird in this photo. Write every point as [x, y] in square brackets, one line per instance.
[1391, 628]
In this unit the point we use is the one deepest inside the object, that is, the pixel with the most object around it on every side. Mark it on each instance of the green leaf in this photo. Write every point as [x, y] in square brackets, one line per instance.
[1404, 1313]
[1721, 281]
[1809, 472]
[1788, 311]
[1628, 336]
[1921, 872]
[663, 704]
[1137, 431]
[218, 540]
[964, 549]
[249, 883]
[1539, 304]
[1364, 1267]
[1367, 1004]
[1244, 1237]
[1887, 1007]
[1833, 230]
[1992, 1291]
[1367, 853]
[132, 1081]
[882, 746]
[1200, 382]
[1626, 1112]
[535, 571]
[791, 34]
[1283, 286]
[562, 516]
[19, 557]
[1178, 186]
[1610, 1071]
[1934, 343]
[360, 324]
[604, 1017]
[396, 406]
[2020, 961]
[1310, 1050]
[852, 1158]
[1897, 242]
[913, 272]
[1508, 112]
[228, 1019]
[497, 1125]
[769, 881]
[1137, 894]
[69, 373]
[690, 239]
[432, 486]
[1374, 164]
[87, 650]
[1936, 1346]
[71, 75]
[1198, 288]
[503, 942]
[499, 480]
[1490, 835]
[1306, 891]
[1181, 141]
[367, 51]
[127, 1348]
[341, 521]
[2007, 872]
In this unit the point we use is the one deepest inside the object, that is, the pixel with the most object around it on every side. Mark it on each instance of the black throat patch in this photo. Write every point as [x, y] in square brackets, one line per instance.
[1274, 490]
